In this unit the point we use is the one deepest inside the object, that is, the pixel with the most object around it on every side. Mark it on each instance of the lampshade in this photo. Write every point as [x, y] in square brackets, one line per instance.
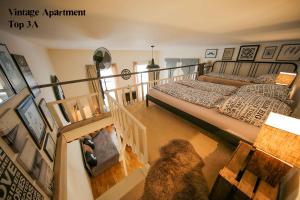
[285, 78]
[280, 137]
[152, 65]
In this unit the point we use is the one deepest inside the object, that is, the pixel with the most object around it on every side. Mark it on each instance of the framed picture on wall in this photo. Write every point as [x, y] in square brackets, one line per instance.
[11, 70]
[269, 52]
[49, 147]
[5, 88]
[247, 52]
[32, 119]
[289, 52]
[47, 114]
[228, 53]
[12, 131]
[27, 74]
[211, 53]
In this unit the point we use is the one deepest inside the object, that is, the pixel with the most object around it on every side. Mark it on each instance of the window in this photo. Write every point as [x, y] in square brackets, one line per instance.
[108, 83]
[144, 77]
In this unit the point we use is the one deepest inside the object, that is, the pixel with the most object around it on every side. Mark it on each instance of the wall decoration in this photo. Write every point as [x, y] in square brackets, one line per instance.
[47, 114]
[211, 53]
[247, 52]
[125, 74]
[11, 70]
[46, 179]
[228, 53]
[289, 52]
[27, 74]
[32, 119]
[18, 187]
[12, 130]
[5, 88]
[59, 95]
[269, 52]
[49, 147]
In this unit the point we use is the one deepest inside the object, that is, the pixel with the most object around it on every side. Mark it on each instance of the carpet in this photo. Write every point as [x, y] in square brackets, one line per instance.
[177, 174]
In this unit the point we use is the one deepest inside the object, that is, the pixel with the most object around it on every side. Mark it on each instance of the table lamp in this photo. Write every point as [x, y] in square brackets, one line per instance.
[277, 148]
[285, 78]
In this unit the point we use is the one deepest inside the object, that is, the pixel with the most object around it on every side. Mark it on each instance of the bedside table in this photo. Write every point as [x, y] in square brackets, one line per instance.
[236, 182]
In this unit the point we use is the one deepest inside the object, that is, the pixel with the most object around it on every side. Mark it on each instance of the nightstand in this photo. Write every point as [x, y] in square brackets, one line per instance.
[236, 182]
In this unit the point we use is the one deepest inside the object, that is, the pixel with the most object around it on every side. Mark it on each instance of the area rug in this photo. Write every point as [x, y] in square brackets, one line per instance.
[177, 174]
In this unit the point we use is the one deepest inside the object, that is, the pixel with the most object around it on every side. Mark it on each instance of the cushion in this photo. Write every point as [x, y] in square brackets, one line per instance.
[251, 108]
[91, 159]
[266, 78]
[231, 77]
[87, 148]
[222, 81]
[209, 87]
[279, 92]
[89, 142]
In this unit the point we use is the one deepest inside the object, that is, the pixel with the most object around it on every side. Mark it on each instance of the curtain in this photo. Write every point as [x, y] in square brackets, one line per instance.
[171, 62]
[115, 71]
[189, 61]
[94, 86]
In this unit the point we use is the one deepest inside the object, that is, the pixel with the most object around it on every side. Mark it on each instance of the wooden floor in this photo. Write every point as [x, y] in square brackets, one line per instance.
[115, 174]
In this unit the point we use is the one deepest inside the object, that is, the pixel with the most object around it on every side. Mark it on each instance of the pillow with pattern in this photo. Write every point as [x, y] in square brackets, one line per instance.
[266, 78]
[251, 108]
[279, 92]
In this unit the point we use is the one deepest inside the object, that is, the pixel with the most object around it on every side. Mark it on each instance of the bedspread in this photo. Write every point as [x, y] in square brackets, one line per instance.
[192, 95]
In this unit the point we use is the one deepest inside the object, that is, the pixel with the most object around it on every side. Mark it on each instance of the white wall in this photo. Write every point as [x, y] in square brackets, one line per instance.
[70, 64]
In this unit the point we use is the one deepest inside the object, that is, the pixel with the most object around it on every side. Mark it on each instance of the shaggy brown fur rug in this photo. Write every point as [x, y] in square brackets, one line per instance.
[177, 174]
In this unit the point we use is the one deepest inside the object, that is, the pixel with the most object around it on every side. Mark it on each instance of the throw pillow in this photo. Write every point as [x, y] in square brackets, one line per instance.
[91, 159]
[278, 92]
[266, 78]
[251, 108]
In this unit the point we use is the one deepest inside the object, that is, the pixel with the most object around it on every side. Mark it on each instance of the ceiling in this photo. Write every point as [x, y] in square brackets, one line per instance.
[135, 24]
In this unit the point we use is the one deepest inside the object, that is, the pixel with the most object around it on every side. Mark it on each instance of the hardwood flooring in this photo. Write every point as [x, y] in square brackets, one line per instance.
[115, 174]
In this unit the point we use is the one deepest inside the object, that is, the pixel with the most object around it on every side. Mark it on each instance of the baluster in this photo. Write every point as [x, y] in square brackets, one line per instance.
[69, 110]
[52, 109]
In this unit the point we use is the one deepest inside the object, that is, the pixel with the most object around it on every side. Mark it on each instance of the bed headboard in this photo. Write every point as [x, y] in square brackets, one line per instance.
[252, 68]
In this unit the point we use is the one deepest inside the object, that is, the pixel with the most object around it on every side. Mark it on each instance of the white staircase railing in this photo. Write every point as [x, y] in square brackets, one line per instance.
[132, 131]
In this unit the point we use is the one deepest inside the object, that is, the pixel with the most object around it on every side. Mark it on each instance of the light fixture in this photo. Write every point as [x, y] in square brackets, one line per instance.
[285, 78]
[152, 65]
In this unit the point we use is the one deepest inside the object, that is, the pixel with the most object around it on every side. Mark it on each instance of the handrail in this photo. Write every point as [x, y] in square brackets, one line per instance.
[110, 76]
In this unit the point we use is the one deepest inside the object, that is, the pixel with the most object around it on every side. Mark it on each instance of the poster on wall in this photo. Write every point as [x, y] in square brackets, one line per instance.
[27, 74]
[11, 70]
[13, 184]
[32, 119]
[12, 131]
[247, 52]
[289, 52]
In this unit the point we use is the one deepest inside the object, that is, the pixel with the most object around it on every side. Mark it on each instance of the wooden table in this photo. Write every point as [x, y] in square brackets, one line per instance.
[236, 182]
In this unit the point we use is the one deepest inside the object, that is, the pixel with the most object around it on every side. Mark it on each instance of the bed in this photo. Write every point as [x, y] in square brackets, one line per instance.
[209, 118]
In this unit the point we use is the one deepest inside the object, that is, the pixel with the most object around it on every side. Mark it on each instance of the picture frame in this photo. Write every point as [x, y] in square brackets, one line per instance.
[47, 114]
[11, 70]
[27, 74]
[247, 52]
[228, 53]
[269, 52]
[12, 131]
[32, 119]
[211, 53]
[289, 52]
[49, 147]
[6, 92]
[59, 95]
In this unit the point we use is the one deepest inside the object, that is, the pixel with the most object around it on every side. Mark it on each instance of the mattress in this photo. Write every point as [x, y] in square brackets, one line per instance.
[236, 127]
